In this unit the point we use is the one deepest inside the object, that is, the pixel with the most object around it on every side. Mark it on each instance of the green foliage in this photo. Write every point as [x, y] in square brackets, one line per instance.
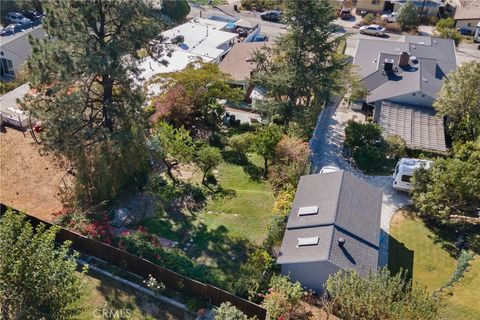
[265, 142]
[396, 147]
[172, 146]
[177, 10]
[153, 284]
[369, 158]
[8, 86]
[459, 100]
[292, 157]
[275, 230]
[194, 304]
[207, 159]
[283, 298]
[242, 143]
[227, 311]
[254, 275]
[447, 23]
[284, 200]
[87, 100]
[303, 70]
[261, 5]
[451, 186]
[358, 134]
[202, 84]
[38, 279]
[368, 19]
[408, 17]
[146, 246]
[380, 296]
[448, 33]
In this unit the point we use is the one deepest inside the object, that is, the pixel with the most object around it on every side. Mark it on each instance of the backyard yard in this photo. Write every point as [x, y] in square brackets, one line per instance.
[232, 222]
[102, 293]
[415, 247]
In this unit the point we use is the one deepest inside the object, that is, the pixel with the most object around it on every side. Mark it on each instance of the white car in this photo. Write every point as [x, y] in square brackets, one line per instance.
[16, 17]
[402, 176]
[373, 29]
[390, 17]
[328, 169]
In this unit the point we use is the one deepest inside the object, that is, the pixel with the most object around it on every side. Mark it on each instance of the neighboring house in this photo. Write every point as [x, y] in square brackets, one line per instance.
[239, 64]
[431, 8]
[334, 225]
[467, 18]
[408, 73]
[203, 39]
[377, 6]
[15, 50]
[10, 110]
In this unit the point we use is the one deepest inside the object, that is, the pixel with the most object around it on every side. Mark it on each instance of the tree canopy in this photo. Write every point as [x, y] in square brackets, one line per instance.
[451, 186]
[408, 16]
[84, 75]
[38, 279]
[459, 100]
[265, 142]
[302, 71]
[177, 10]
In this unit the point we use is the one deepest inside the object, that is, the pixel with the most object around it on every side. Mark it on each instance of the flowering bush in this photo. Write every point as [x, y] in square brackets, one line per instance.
[282, 301]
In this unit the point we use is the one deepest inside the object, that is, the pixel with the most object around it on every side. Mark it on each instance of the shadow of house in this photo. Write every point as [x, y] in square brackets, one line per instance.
[400, 258]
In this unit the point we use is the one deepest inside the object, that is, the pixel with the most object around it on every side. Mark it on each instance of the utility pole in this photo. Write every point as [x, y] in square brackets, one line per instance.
[421, 13]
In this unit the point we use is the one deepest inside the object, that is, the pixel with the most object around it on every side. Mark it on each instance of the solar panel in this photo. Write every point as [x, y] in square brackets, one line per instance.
[305, 211]
[308, 241]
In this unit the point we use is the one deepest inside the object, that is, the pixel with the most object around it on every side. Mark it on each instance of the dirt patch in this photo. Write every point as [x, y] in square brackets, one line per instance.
[402, 215]
[29, 181]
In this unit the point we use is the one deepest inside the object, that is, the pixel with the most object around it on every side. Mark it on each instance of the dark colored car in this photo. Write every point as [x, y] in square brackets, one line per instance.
[32, 14]
[465, 31]
[272, 15]
[345, 13]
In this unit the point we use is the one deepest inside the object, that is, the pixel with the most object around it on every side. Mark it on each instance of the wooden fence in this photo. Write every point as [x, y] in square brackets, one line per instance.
[144, 268]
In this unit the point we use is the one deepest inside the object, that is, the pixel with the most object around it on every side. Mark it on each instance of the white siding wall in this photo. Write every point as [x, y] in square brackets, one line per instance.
[469, 24]
[310, 274]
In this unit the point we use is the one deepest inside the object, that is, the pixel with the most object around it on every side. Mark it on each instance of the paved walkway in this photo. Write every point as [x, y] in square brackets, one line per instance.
[327, 146]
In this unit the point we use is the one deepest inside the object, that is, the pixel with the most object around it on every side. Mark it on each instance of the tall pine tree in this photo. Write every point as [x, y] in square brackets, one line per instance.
[305, 66]
[85, 74]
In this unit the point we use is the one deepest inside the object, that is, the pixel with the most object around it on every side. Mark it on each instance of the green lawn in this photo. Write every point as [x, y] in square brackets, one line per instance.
[102, 293]
[463, 300]
[247, 210]
[432, 266]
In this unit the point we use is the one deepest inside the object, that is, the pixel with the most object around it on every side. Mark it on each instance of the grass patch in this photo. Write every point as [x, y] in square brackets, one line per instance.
[431, 266]
[101, 292]
[246, 211]
[461, 301]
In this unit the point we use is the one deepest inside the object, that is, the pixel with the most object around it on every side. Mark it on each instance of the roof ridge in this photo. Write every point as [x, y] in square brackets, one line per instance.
[334, 223]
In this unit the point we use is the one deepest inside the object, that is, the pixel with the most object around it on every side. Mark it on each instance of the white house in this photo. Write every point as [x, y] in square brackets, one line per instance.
[467, 18]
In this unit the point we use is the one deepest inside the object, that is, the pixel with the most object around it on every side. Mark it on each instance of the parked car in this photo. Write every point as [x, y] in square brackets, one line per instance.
[345, 13]
[402, 176]
[328, 169]
[32, 14]
[390, 17]
[16, 17]
[363, 13]
[10, 29]
[272, 15]
[465, 31]
[260, 38]
[373, 29]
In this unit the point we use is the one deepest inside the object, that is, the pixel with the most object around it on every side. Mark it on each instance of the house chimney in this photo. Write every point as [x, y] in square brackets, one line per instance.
[403, 60]
[341, 242]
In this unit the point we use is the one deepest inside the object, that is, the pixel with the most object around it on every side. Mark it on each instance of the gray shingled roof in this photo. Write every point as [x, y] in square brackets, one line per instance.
[418, 126]
[18, 44]
[349, 207]
[435, 58]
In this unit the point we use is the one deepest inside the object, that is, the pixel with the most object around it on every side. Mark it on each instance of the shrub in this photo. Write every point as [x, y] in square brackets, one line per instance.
[449, 33]
[255, 275]
[241, 143]
[368, 19]
[396, 147]
[462, 265]
[445, 23]
[283, 298]
[408, 17]
[359, 134]
[369, 158]
[227, 311]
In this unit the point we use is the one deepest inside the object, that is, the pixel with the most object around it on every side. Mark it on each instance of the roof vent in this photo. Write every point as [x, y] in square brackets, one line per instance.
[404, 57]
[306, 211]
[414, 59]
[388, 65]
[341, 242]
[308, 241]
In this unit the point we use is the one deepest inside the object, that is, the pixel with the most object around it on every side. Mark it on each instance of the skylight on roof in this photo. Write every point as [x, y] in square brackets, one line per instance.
[307, 241]
[306, 211]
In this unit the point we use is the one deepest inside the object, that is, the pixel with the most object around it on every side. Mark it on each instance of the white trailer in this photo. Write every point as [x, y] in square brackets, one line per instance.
[402, 176]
